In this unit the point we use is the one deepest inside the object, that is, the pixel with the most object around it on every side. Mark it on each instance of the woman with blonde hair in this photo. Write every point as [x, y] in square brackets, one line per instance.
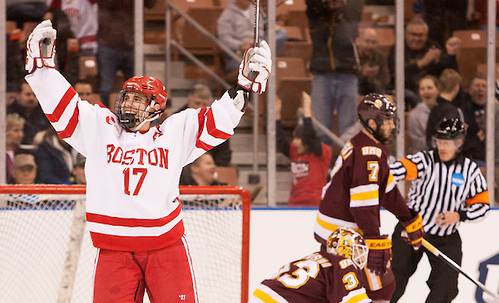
[418, 116]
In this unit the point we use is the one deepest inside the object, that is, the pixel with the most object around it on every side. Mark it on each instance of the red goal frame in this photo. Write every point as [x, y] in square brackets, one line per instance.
[186, 190]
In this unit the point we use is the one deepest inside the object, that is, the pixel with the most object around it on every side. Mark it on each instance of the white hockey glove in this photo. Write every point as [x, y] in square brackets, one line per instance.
[40, 47]
[255, 68]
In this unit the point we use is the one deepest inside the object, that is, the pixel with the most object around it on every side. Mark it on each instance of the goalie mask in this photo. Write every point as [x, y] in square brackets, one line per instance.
[135, 103]
[350, 244]
[378, 108]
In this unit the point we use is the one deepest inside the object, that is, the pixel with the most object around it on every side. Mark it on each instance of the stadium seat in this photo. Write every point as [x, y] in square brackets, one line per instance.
[287, 67]
[88, 67]
[284, 6]
[155, 13]
[227, 174]
[386, 38]
[289, 90]
[295, 33]
[196, 43]
[298, 49]
[473, 52]
[482, 68]
[10, 26]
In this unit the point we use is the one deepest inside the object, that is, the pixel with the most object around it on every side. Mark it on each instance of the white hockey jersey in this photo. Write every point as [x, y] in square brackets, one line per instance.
[83, 16]
[132, 178]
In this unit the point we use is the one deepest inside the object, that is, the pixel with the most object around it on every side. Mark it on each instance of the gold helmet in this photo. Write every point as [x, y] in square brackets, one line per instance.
[346, 242]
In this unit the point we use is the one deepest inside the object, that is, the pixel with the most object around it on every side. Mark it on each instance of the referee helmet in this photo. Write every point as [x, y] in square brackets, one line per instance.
[450, 129]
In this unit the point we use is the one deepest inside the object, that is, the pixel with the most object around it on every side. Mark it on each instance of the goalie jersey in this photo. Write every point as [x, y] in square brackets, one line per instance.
[360, 185]
[318, 278]
[132, 177]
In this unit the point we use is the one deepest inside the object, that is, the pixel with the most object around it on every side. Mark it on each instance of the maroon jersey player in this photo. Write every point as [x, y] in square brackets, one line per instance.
[329, 275]
[360, 185]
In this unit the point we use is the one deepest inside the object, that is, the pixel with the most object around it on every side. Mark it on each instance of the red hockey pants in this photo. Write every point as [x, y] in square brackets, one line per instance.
[166, 274]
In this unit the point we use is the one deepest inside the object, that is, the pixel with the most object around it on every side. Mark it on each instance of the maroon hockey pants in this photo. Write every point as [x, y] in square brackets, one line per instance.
[166, 274]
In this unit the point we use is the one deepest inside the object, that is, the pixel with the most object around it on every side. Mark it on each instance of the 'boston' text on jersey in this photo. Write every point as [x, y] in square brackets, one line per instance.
[155, 157]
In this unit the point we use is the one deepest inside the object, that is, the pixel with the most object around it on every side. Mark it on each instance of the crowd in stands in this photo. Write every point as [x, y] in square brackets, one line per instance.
[346, 63]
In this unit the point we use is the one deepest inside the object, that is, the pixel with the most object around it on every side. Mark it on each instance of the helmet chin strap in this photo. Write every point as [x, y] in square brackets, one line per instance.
[375, 133]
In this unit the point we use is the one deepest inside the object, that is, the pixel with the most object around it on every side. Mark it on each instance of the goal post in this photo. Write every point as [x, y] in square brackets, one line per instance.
[46, 254]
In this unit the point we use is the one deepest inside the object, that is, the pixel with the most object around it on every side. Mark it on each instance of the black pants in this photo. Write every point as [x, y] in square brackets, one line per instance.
[443, 279]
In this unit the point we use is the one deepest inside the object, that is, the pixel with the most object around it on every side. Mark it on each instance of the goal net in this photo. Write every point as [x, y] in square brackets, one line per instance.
[46, 254]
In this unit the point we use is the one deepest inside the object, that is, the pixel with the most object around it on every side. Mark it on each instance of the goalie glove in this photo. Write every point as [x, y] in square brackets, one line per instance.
[380, 254]
[40, 47]
[414, 231]
[255, 68]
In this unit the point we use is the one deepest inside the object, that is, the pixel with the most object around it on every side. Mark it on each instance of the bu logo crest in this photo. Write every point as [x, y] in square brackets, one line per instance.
[489, 276]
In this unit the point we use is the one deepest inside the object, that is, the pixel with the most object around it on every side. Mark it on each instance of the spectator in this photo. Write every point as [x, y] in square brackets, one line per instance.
[449, 85]
[13, 138]
[423, 56]
[201, 172]
[309, 157]
[480, 14]
[200, 96]
[23, 169]
[235, 29]
[68, 55]
[83, 16]
[86, 92]
[333, 28]
[26, 105]
[54, 158]
[374, 76]
[15, 62]
[444, 17]
[418, 117]
[25, 11]
[473, 108]
[116, 43]
[78, 173]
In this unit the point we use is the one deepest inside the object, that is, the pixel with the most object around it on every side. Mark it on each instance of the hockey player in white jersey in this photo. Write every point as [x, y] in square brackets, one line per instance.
[133, 170]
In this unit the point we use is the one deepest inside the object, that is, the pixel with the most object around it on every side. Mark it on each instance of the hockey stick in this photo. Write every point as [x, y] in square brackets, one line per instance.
[457, 268]
[256, 37]
[256, 33]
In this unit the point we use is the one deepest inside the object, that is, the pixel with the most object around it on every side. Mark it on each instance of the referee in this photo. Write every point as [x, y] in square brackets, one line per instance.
[447, 188]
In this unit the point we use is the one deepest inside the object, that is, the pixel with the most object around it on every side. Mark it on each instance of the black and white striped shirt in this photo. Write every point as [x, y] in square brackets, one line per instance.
[456, 186]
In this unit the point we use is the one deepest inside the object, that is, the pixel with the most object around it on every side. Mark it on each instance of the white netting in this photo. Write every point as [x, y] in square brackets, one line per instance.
[43, 238]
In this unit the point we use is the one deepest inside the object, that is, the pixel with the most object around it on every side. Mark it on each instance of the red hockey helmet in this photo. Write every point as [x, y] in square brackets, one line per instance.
[346, 242]
[378, 108]
[149, 91]
[149, 86]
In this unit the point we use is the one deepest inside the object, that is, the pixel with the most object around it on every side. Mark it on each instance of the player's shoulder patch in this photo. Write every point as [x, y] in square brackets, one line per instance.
[347, 150]
[319, 258]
